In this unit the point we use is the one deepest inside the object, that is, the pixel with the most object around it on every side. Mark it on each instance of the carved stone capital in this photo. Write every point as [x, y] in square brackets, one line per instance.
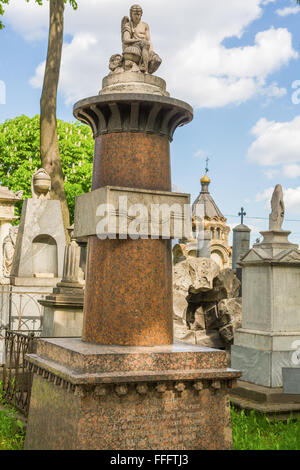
[133, 112]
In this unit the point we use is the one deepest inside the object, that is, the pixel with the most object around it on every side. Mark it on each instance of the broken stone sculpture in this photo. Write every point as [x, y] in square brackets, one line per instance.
[277, 215]
[207, 310]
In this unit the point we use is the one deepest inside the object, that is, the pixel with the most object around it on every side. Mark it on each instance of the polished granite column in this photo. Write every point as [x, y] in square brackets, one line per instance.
[128, 297]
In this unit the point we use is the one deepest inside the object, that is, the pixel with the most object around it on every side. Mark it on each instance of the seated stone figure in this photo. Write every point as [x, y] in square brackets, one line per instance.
[138, 51]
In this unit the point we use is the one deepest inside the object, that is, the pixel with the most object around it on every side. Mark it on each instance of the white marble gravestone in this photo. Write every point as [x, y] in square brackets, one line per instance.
[271, 305]
[41, 240]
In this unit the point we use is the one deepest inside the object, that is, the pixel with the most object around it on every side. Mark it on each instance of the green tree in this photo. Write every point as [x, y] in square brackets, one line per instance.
[2, 2]
[49, 148]
[20, 156]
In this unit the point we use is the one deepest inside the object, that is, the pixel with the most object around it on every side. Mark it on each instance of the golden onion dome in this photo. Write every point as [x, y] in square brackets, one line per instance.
[205, 179]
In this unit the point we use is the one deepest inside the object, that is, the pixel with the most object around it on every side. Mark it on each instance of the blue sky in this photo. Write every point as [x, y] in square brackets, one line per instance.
[234, 62]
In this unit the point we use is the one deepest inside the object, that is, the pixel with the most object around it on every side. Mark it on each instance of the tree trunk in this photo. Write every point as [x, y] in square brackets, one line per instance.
[49, 149]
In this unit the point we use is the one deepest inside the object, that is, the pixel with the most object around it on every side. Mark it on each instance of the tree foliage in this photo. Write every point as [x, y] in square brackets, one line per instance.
[73, 4]
[20, 156]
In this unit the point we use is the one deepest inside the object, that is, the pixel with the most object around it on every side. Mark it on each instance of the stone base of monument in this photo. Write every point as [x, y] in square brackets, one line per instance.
[269, 400]
[87, 396]
[63, 312]
[133, 82]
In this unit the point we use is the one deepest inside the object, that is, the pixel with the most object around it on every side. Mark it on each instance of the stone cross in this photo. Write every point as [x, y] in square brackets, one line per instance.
[242, 214]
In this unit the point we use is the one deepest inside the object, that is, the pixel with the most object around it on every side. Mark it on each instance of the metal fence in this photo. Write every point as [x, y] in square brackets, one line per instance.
[20, 311]
[17, 379]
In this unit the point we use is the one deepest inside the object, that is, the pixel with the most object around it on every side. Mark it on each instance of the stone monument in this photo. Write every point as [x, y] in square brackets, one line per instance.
[63, 309]
[240, 245]
[124, 384]
[38, 258]
[270, 319]
[33, 257]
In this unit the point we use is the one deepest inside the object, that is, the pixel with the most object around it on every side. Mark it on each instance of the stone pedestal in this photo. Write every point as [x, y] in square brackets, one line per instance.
[272, 401]
[63, 310]
[63, 313]
[39, 253]
[270, 319]
[240, 246]
[133, 82]
[89, 397]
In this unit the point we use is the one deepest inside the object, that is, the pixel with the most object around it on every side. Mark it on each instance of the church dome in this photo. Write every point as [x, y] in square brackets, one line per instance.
[204, 199]
[205, 179]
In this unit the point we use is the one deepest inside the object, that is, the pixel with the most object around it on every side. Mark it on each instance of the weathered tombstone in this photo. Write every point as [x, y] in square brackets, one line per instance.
[63, 309]
[33, 258]
[38, 258]
[125, 385]
[240, 245]
[270, 318]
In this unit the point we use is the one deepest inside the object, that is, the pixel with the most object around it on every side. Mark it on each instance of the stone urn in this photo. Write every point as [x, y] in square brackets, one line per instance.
[41, 185]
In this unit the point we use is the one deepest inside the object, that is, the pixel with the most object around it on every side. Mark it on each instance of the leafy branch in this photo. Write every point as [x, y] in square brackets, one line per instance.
[73, 4]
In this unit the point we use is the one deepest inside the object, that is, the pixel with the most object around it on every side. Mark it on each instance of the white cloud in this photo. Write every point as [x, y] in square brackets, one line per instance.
[276, 143]
[266, 195]
[291, 198]
[291, 171]
[271, 173]
[189, 38]
[200, 154]
[288, 11]
[28, 19]
[274, 91]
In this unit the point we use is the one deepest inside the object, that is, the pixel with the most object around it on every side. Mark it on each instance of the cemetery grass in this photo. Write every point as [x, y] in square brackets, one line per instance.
[12, 434]
[254, 431]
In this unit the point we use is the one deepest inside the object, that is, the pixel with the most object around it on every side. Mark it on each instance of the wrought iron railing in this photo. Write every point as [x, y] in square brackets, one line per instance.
[17, 379]
[20, 310]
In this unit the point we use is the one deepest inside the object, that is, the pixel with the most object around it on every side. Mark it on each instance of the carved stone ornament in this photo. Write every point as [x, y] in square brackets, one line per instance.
[121, 112]
[277, 215]
[41, 185]
[9, 244]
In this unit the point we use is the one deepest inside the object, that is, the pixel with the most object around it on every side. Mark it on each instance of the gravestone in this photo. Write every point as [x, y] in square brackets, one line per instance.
[240, 246]
[270, 311]
[63, 309]
[38, 257]
[34, 258]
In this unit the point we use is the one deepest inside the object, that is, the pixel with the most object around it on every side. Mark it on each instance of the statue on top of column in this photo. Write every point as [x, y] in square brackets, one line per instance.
[277, 215]
[138, 54]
